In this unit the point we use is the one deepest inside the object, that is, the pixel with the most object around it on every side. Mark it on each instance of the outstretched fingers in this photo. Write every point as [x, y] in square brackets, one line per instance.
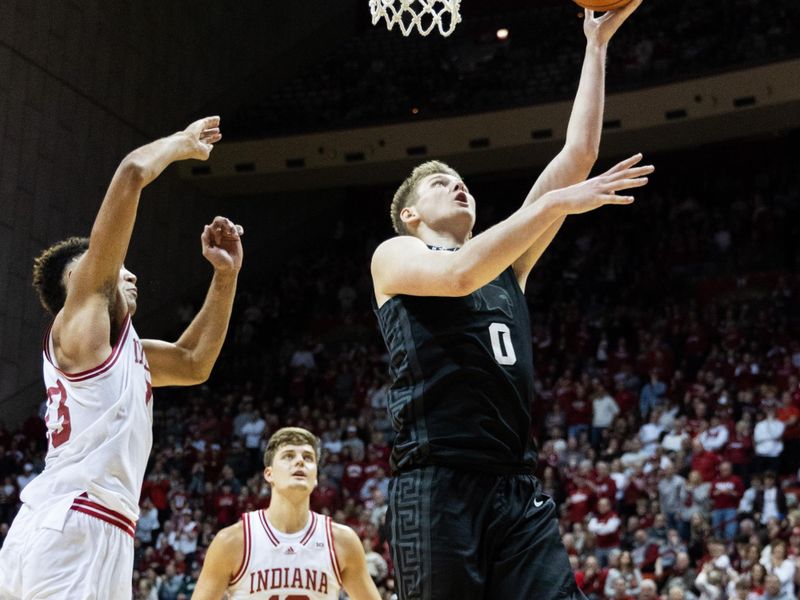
[614, 199]
[631, 173]
[624, 184]
[625, 164]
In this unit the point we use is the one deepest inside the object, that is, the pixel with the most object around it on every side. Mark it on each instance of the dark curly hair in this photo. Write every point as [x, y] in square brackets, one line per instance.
[48, 271]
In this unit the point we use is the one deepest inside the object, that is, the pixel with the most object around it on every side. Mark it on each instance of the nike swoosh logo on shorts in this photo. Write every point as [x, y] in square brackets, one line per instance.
[538, 503]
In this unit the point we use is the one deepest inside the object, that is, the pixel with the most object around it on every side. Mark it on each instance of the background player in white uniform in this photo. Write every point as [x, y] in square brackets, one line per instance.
[286, 552]
[73, 536]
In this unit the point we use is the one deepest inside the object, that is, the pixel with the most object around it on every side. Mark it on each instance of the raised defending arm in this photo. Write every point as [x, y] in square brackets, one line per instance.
[82, 329]
[189, 360]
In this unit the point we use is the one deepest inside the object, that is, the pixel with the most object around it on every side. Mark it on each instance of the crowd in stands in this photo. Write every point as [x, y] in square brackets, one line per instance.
[667, 358]
[379, 76]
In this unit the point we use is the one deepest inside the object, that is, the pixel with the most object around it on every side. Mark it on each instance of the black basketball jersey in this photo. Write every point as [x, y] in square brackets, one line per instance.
[463, 379]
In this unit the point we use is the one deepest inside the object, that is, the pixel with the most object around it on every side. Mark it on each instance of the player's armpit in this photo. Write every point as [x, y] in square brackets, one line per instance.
[82, 335]
[355, 577]
[171, 364]
[223, 559]
[405, 265]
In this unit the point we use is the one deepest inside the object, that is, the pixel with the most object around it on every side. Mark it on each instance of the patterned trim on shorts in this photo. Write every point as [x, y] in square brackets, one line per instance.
[409, 499]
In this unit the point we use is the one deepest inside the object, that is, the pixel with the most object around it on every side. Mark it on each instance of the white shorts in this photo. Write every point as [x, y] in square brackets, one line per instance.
[91, 559]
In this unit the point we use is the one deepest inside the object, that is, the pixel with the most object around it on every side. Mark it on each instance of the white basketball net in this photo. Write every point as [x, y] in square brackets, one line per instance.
[424, 15]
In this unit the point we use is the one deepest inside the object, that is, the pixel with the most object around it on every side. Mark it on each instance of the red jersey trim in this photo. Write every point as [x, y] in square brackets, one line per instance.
[99, 369]
[270, 534]
[310, 531]
[246, 553]
[98, 511]
[332, 550]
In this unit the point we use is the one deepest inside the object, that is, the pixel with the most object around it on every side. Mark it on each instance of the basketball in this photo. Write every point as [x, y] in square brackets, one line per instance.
[602, 5]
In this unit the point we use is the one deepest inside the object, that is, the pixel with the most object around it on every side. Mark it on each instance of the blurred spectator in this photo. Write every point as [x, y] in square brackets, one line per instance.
[26, 476]
[253, 432]
[148, 522]
[604, 410]
[651, 393]
[727, 490]
[376, 565]
[705, 462]
[627, 573]
[606, 527]
[770, 501]
[778, 564]
[671, 491]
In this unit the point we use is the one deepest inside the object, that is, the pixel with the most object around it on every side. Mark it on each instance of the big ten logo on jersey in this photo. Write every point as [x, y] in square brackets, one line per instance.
[140, 359]
[57, 418]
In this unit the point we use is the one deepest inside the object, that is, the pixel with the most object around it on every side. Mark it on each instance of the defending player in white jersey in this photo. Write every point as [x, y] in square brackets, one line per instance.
[286, 552]
[73, 536]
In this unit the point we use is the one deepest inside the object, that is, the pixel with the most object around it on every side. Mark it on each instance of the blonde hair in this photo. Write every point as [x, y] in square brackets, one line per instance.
[406, 194]
[290, 435]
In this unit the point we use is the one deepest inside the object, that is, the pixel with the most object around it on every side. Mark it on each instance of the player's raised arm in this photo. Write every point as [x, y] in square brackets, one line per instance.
[223, 559]
[405, 265]
[82, 330]
[356, 580]
[189, 360]
[575, 161]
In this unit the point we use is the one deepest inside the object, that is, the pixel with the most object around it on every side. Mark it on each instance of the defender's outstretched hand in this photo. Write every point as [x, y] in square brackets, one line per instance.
[600, 31]
[222, 244]
[598, 191]
[202, 135]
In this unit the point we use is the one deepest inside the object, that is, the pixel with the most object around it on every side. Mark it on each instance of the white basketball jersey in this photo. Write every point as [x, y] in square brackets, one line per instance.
[99, 430]
[279, 566]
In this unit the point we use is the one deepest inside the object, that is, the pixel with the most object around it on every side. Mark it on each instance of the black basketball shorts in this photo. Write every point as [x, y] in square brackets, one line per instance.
[459, 535]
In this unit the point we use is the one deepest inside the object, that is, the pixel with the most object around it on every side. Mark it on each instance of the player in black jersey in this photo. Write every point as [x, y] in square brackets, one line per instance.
[467, 520]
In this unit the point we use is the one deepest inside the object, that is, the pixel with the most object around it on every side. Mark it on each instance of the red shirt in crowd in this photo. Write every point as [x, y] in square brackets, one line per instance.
[157, 491]
[626, 400]
[591, 583]
[739, 450]
[580, 500]
[727, 491]
[790, 416]
[706, 463]
[353, 478]
[325, 497]
[606, 529]
[578, 411]
[605, 488]
[226, 506]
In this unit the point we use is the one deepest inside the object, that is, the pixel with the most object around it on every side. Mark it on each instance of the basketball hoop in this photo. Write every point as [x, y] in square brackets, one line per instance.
[424, 15]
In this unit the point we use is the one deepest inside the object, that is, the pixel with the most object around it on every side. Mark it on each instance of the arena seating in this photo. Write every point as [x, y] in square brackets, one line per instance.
[681, 309]
[379, 76]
